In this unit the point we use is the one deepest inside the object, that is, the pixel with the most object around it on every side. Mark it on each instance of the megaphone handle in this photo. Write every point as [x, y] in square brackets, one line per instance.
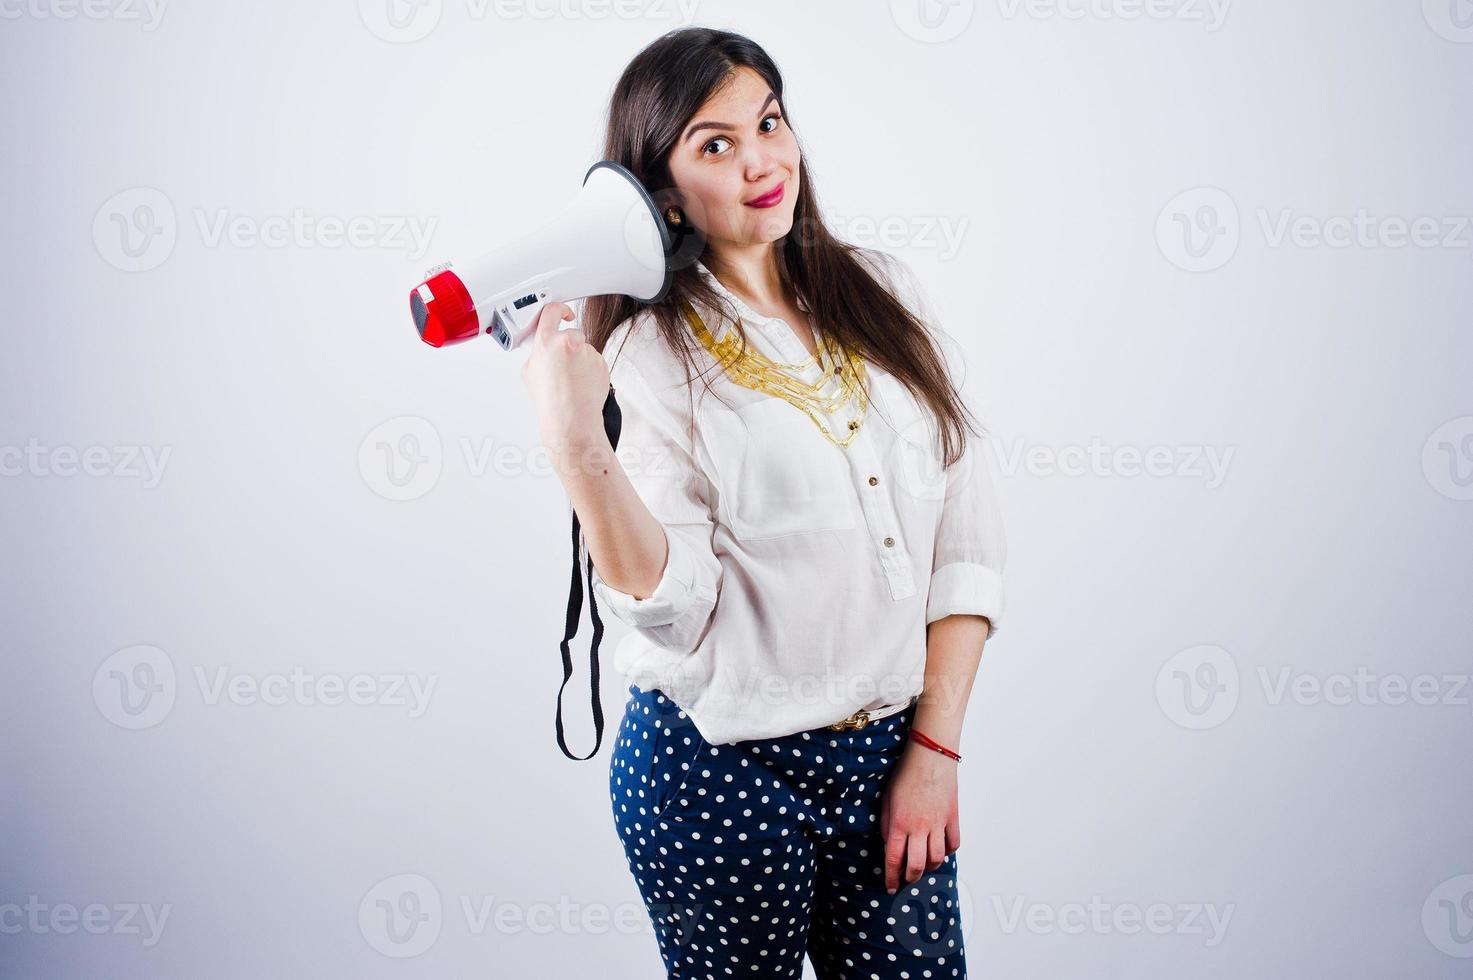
[613, 420]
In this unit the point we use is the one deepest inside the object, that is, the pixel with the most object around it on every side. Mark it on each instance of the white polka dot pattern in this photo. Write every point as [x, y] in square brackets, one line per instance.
[751, 855]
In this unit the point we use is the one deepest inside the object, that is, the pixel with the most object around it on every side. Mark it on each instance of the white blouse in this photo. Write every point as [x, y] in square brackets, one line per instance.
[801, 576]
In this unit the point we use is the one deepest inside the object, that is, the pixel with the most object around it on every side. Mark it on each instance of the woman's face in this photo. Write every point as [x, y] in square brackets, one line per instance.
[736, 149]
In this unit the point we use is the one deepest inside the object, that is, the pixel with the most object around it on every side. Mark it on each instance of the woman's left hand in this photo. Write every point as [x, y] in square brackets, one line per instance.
[918, 815]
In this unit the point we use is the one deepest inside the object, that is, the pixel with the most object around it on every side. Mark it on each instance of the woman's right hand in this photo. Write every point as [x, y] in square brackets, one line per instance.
[569, 382]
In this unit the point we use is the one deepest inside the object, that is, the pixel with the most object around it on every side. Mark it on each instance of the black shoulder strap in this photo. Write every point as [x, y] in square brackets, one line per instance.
[612, 424]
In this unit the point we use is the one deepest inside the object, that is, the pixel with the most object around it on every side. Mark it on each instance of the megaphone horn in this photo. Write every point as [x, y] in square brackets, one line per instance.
[610, 239]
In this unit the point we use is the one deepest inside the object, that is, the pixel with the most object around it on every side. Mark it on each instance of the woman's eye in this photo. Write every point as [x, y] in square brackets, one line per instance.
[722, 139]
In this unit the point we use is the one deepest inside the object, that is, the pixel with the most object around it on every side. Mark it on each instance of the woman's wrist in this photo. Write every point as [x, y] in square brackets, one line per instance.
[927, 745]
[580, 451]
[938, 717]
[919, 758]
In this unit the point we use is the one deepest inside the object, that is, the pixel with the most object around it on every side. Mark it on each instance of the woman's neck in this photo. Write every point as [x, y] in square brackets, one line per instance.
[751, 272]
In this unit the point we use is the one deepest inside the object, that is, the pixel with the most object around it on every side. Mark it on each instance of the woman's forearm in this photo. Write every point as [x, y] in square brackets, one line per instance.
[953, 650]
[625, 542]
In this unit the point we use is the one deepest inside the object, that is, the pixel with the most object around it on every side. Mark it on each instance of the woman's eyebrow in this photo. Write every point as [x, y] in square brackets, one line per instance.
[697, 127]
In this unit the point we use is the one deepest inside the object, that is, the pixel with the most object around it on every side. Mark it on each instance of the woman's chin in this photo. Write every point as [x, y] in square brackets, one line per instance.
[771, 228]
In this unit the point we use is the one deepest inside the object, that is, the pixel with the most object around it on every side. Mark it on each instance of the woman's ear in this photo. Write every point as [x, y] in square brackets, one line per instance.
[687, 242]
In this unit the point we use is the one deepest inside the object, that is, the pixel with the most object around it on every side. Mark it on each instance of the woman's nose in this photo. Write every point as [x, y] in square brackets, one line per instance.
[761, 163]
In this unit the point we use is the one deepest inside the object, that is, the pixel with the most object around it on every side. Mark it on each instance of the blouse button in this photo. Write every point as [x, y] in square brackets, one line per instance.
[889, 542]
[874, 480]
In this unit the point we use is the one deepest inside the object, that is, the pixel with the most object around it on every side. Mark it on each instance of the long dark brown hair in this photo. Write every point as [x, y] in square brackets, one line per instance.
[659, 92]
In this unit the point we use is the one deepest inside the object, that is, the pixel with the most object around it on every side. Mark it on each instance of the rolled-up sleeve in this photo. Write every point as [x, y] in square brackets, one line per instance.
[971, 547]
[653, 451]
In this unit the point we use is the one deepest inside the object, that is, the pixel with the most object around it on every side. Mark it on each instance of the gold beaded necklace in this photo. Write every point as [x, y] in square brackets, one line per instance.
[751, 369]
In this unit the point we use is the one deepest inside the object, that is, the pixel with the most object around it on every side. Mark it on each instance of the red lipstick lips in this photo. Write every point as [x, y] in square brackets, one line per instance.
[767, 200]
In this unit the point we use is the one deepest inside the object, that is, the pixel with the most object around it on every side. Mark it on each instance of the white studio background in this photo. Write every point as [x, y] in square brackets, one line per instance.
[1209, 263]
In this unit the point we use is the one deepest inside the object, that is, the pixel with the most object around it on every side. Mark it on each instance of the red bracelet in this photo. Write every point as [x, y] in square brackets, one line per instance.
[931, 743]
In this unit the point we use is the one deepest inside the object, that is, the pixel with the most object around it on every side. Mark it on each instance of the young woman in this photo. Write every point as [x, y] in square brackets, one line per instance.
[808, 550]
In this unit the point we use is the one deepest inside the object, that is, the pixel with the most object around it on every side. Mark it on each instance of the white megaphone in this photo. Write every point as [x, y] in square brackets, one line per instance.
[609, 240]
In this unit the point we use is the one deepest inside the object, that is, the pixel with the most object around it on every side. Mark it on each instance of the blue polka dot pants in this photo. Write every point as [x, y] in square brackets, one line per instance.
[752, 855]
